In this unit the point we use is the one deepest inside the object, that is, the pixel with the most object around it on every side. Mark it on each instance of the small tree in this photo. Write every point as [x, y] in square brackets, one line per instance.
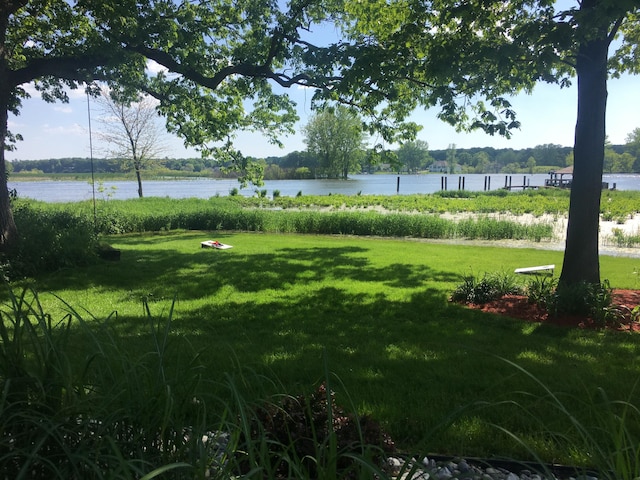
[132, 132]
[531, 164]
[335, 136]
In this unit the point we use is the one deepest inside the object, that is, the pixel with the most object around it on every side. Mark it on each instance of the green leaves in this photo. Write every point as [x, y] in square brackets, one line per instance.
[335, 136]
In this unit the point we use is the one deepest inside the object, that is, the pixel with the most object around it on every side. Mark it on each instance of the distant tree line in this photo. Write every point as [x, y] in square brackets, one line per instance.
[413, 157]
[78, 165]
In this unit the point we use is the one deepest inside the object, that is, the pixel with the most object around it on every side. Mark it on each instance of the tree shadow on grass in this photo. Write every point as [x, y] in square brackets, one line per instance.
[203, 272]
[405, 354]
[410, 363]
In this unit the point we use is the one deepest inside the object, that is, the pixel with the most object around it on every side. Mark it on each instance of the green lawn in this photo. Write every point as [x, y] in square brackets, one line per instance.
[378, 309]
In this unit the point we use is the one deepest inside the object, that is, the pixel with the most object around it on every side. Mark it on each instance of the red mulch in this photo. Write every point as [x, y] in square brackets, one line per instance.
[517, 306]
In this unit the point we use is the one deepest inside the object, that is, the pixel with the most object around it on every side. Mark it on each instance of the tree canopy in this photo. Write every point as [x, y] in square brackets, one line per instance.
[214, 63]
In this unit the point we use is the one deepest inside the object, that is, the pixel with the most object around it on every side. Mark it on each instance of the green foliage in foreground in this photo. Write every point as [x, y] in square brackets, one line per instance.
[118, 414]
[378, 310]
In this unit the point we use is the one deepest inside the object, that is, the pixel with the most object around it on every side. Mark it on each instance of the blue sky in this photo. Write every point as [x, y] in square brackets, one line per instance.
[548, 115]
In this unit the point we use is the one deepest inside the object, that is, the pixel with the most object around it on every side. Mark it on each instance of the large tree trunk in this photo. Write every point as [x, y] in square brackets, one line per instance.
[581, 257]
[8, 230]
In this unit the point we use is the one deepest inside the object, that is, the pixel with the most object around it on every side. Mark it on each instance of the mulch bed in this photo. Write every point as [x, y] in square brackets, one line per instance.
[517, 306]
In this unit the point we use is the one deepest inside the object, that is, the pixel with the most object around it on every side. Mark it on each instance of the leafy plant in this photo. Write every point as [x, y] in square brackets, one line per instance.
[50, 239]
[489, 287]
[541, 289]
[114, 412]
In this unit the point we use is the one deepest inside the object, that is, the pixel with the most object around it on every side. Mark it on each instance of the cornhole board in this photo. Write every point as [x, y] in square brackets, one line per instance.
[538, 269]
[215, 244]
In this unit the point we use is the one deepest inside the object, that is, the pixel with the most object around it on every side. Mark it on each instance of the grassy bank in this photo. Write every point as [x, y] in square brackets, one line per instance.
[378, 310]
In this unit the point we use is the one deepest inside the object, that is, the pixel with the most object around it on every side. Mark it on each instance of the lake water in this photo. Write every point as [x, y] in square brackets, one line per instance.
[69, 191]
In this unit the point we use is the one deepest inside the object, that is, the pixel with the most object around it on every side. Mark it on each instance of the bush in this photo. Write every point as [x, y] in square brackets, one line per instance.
[49, 240]
[489, 287]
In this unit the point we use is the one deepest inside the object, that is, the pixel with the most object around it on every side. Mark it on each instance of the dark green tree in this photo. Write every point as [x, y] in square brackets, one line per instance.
[633, 148]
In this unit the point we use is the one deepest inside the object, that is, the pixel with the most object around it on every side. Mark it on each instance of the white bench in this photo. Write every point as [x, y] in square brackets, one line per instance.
[535, 270]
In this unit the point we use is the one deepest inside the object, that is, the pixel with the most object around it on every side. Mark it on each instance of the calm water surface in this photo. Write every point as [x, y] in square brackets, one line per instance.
[69, 191]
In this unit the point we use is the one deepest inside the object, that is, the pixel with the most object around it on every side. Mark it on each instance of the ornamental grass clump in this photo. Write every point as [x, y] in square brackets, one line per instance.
[583, 298]
[78, 403]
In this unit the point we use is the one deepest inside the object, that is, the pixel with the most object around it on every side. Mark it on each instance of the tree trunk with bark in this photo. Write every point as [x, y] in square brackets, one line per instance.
[139, 178]
[581, 257]
[8, 230]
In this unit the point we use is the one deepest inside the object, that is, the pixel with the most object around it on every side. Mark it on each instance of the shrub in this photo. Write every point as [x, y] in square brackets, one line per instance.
[489, 287]
[50, 240]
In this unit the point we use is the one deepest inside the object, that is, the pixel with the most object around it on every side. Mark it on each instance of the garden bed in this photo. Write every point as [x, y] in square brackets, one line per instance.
[518, 306]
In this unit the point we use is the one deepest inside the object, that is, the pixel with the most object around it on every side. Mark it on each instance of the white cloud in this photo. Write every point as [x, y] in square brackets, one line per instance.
[63, 109]
[74, 129]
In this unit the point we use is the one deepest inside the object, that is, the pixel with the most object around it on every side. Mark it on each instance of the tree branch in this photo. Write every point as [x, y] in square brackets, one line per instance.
[74, 68]
[615, 28]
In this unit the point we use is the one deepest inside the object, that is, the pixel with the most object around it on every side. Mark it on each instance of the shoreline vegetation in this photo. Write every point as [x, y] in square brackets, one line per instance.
[535, 216]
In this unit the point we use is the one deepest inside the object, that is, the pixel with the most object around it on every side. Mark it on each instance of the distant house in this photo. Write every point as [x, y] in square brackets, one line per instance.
[439, 166]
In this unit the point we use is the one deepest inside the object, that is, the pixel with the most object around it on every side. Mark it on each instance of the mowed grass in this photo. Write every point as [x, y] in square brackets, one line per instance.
[378, 311]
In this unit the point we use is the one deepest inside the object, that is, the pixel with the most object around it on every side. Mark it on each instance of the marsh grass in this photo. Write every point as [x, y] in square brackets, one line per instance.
[157, 214]
[620, 239]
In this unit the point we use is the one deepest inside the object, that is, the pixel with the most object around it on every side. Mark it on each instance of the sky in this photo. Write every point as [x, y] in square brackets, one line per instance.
[547, 116]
